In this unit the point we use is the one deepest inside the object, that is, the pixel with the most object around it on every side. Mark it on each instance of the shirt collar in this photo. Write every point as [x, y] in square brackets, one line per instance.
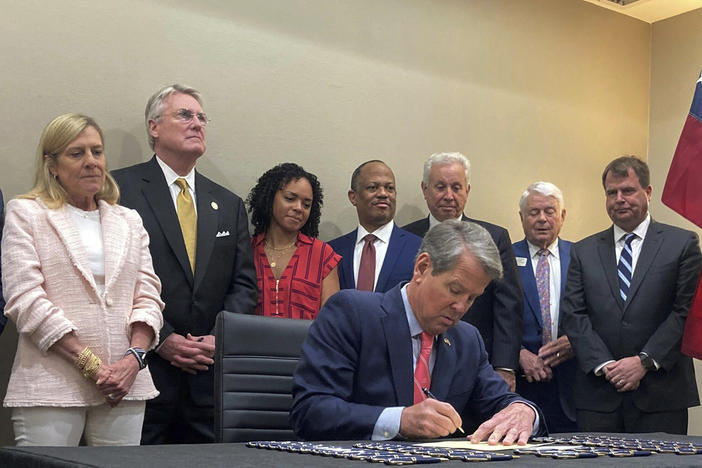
[640, 230]
[171, 175]
[414, 326]
[383, 232]
[552, 249]
[433, 221]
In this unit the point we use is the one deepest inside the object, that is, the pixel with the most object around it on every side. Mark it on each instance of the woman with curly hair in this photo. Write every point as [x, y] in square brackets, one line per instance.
[296, 272]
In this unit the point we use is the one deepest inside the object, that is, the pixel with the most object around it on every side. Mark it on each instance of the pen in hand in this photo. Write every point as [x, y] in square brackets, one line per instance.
[431, 395]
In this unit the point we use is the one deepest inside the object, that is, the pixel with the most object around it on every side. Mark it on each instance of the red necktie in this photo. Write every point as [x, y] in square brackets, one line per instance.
[366, 271]
[422, 379]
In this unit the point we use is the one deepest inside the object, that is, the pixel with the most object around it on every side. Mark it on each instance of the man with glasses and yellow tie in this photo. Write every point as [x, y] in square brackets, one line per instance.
[201, 252]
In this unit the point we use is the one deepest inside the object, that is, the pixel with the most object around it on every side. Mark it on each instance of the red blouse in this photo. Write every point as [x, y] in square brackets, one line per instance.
[298, 292]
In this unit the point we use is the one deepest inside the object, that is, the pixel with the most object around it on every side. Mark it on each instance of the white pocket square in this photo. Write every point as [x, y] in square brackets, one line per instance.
[222, 234]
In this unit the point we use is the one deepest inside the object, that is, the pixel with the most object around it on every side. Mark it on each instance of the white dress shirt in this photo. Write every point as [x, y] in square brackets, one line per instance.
[381, 243]
[171, 177]
[636, 243]
[554, 265]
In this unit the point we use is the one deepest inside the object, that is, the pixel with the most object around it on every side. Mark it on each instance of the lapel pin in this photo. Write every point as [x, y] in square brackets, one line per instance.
[447, 341]
[214, 205]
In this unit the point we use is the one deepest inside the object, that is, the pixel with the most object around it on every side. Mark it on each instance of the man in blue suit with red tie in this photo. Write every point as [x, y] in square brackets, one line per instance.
[378, 254]
[369, 356]
[547, 368]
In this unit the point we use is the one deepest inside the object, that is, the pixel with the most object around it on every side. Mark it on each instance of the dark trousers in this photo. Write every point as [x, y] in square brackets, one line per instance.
[547, 398]
[628, 418]
[177, 416]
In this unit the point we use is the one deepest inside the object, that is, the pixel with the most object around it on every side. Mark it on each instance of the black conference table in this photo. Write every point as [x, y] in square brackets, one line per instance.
[239, 455]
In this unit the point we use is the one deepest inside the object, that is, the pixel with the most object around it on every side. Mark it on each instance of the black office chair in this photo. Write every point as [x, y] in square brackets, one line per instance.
[254, 363]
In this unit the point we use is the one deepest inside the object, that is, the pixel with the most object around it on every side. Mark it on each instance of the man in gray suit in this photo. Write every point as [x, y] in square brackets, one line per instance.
[627, 296]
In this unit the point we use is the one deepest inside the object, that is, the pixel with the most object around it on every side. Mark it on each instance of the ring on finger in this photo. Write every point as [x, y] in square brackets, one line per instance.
[558, 355]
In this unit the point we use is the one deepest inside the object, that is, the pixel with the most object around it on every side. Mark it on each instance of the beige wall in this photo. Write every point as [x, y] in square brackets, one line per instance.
[540, 89]
[676, 60]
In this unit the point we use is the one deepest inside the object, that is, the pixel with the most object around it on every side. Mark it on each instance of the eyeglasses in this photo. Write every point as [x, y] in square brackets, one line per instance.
[186, 116]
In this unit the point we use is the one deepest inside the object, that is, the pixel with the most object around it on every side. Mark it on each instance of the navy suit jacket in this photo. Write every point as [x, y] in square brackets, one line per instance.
[497, 313]
[225, 277]
[398, 264]
[564, 374]
[357, 361]
[602, 327]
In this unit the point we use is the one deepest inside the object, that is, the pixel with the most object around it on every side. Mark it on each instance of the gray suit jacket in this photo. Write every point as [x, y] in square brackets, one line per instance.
[602, 327]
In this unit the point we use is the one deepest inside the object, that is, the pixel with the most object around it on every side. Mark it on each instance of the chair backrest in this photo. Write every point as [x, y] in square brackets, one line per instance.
[254, 363]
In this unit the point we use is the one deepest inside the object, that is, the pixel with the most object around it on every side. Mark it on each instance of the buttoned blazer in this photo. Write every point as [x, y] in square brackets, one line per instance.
[398, 264]
[51, 291]
[532, 335]
[357, 360]
[602, 327]
[497, 313]
[224, 277]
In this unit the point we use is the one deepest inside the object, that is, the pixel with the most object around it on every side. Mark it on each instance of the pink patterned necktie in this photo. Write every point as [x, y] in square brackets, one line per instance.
[422, 379]
[543, 285]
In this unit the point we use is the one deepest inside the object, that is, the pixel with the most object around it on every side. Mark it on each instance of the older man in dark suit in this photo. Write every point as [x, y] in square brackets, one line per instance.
[378, 254]
[369, 357]
[627, 297]
[201, 251]
[497, 314]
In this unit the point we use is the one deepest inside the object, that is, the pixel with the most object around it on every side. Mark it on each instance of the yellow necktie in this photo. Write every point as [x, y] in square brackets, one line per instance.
[187, 219]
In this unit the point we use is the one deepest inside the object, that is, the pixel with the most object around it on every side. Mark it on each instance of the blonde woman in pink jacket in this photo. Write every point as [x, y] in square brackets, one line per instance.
[80, 287]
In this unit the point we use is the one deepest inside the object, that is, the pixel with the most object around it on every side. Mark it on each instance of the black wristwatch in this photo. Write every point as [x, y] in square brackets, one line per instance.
[140, 356]
[647, 361]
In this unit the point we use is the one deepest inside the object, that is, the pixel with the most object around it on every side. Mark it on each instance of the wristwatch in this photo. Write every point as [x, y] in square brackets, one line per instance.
[140, 356]
[647, 361]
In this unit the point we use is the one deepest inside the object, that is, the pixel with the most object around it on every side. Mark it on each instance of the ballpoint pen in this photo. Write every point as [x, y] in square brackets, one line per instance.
[431, 395]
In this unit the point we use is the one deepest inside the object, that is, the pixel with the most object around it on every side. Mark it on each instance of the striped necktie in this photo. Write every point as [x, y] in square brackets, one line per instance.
[625, 266]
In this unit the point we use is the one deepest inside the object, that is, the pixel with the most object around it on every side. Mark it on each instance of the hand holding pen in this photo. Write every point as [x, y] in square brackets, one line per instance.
[431, 395]
[429, 419]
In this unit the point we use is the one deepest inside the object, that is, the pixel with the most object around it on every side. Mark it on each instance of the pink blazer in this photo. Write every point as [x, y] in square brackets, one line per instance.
[50, 291]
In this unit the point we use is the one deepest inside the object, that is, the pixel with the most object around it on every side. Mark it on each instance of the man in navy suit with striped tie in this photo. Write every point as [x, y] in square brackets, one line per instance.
[627, 296]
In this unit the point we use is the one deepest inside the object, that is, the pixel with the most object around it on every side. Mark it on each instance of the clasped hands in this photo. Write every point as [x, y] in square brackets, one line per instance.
[539, 367]
[625, 374]
[432, 419]
[190, 353]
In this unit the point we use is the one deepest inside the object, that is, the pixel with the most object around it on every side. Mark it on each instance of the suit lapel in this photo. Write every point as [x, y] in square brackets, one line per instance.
[395, 246]
[564, 254]
[346, 251]
[444, 365]
[207, 221]
[70, 237]
[115, 234]
[608, 260]
[158, 197]
[531, 292]
[649, 249]
[399, 346]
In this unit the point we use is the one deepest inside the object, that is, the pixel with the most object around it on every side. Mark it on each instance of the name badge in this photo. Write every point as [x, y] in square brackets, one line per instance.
[521, 261]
